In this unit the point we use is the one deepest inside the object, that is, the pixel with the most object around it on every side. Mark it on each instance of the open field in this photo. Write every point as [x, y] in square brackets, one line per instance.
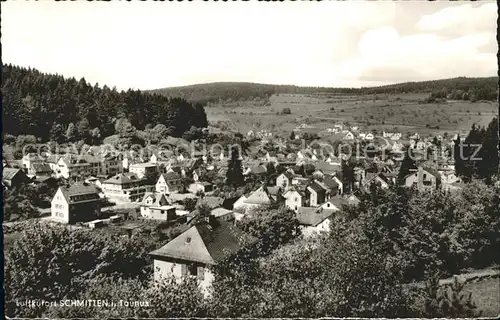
[486, 295]
[402, 112]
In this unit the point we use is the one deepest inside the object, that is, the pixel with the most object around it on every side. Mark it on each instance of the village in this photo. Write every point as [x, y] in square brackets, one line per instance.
[173, 189]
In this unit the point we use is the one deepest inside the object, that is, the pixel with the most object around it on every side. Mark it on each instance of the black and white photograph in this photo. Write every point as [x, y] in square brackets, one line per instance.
[250, 159]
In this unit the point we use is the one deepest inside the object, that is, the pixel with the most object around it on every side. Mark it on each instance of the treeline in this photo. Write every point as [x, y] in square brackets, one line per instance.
[47, 106]
[456, 88]
[477, 156]
[481, 88]
[240, 91]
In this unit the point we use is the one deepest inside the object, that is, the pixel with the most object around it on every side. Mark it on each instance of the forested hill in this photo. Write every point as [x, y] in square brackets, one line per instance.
[48, 106]
[485, 88]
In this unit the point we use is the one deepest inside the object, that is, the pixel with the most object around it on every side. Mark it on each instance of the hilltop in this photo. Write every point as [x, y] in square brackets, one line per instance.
[243, 91]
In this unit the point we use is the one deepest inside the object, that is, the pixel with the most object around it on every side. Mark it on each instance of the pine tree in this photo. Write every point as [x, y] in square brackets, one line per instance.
[234, 175]
[407, 164]
[71, 132]
[488, 165]
[458, 157]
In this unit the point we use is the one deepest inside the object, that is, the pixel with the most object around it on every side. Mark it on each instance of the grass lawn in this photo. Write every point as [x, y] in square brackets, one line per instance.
[486, 295]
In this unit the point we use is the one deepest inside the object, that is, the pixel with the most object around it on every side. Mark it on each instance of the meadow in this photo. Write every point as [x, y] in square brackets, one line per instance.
[393, 112]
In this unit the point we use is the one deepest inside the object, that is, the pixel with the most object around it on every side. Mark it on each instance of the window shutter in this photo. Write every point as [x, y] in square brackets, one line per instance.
[201, 273]
[183, 270]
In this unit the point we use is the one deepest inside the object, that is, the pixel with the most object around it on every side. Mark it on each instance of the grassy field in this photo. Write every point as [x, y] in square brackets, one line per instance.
[403, 112]
[486, 295]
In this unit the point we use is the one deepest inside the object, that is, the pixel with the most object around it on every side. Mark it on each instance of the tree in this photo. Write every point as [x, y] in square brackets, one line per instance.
[407, 164]
[71, 132]
[234, 175]
[488, 164]
[286, 111]
[348, 174]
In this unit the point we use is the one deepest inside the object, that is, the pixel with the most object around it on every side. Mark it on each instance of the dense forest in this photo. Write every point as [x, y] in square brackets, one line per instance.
[456, 88]
[53, 107]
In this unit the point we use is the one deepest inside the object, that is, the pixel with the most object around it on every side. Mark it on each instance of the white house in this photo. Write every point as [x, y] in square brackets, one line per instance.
[156, 206]
[78, 203]
[195, 251]
[349, 136]
[143, 170]
[168, 182]
[125, 187]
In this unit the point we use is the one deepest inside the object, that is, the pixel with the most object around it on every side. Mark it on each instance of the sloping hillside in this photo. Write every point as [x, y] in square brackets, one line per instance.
[486, 88]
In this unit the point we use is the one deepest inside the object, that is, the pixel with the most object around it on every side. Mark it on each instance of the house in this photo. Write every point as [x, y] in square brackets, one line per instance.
[211, 202]
[203, 186]
[125, 187]
[449, 180]
[78, 203]
[294, 199]
[396, 136]
[240, 203]
[424, 179]
[156, 206]
[14, 178]
[314, 220]
[72, 166]
[352, 199]
[284, 180]
[316, 194]
[196, 175]
[168, 182]
[223, 214]
[274, 192]
[334, 203]
[40, 169]
[30, 159]
[258, 169]
[196, 250]
[334, 185]
[258, 198]
[369, 136]
[143, 170]
[377, 178]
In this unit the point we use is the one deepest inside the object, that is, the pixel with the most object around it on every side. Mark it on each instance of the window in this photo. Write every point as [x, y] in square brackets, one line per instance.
[295, 199]
[201, 273]
[188, 240]
[328, 205]
[192, 270]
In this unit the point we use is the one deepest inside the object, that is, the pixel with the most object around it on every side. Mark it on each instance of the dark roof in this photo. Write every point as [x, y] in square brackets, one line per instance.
[330, 182]
[86, 192]
[205, 243]
[10, 173]
[316, 187]
[123, 178]
[40, 167]
[310, 216]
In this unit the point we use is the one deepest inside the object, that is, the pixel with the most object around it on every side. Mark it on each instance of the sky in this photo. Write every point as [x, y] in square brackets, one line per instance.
[150, 45]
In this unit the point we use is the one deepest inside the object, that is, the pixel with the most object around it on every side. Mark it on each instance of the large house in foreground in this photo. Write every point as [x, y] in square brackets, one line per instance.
[78, 203]
[196, 250]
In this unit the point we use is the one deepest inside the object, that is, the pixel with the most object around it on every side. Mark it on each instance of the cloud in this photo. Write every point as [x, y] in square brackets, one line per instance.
[463, 19]
[151, 44]
[386, 56]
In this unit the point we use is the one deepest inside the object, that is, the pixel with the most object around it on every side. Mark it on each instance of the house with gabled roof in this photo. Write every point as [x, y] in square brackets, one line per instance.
[168, 182]
[378, 178]
[294, 199]
[284, 180]
[316, 194]
[40, 169]
[79, 202]
[157, 207]
[314, 220]
[195, 251]
[258, 198]
[423, 179]
[14, 178]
